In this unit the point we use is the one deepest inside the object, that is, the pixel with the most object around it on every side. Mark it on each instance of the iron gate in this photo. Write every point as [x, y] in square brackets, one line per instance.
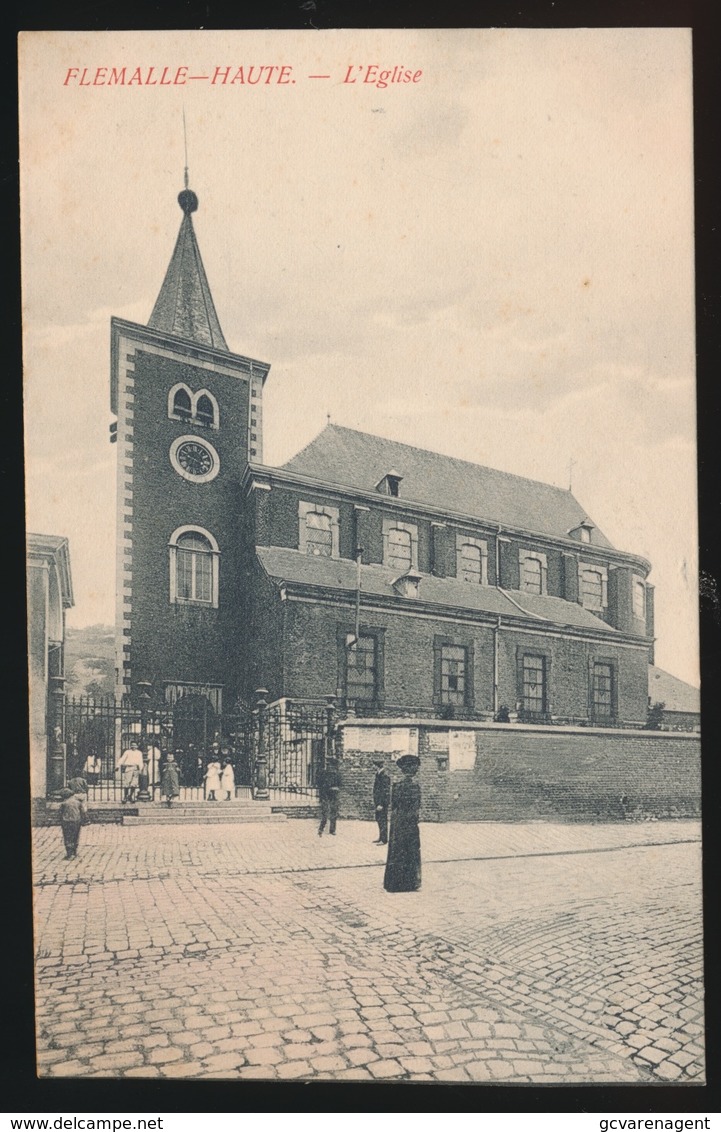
[297, 737]
[275, 749]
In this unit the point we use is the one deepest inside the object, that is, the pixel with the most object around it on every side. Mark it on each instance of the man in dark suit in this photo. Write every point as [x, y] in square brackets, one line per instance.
[381, 800]
[328, 790]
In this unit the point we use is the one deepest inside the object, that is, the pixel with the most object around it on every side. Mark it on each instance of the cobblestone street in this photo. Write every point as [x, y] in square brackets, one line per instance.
[533, 953]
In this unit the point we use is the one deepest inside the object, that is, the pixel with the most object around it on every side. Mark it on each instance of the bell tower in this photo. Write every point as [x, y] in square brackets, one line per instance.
[188, 421]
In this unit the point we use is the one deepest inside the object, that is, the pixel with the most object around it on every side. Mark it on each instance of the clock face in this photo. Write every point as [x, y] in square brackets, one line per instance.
[194, 460]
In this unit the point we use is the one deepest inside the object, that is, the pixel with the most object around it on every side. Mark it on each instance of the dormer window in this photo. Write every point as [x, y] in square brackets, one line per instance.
[407, 584]
[582, 533]
[318, 530]
[390, 484]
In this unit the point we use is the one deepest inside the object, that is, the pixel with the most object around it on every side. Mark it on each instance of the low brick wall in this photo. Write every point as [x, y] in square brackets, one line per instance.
[48, 813]
[514, 772]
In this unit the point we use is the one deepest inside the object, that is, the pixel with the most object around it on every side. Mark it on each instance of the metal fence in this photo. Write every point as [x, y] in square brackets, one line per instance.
[297, 739]
[275, 750]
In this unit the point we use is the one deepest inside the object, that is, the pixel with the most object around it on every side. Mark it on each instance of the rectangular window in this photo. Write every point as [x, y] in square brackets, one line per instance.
[400, 545]
[400, 555]
[531, 580]
[194, 576]
[318, 535]
[361, 683]
[318, 530]
[534, 684]
[594, 587]
[533, 572]
[472, 560]
[185, 574]
[602, 691]
[639, 599]
[453, 674]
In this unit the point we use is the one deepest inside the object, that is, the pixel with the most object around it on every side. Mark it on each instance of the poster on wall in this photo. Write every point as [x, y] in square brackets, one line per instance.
[461, 750]
[359, 400]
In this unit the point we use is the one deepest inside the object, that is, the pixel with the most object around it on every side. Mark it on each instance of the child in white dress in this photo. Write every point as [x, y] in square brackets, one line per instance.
[227, 779]
[212, 780]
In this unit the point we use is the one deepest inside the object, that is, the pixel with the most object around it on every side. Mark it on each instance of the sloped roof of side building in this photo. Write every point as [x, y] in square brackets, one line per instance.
[293, 567]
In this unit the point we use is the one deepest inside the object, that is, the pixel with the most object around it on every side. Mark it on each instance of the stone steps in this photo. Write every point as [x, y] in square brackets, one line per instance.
[202, 813]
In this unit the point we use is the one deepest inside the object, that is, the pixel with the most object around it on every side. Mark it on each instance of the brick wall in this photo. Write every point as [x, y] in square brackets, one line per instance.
[310, 653]
[312, 665]
[176, 642]
[529, 773]
[680, 720]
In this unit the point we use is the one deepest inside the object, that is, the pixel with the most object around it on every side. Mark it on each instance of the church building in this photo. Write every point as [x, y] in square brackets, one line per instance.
[402, 581]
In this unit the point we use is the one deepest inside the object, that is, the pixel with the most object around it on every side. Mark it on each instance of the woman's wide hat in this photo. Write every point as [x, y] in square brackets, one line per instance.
[408, 762]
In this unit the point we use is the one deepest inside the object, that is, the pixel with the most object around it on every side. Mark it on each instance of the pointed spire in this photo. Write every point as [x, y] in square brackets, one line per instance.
[185, 305]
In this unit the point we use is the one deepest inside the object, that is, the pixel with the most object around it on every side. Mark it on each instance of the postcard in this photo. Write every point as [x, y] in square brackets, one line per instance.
[362, 555]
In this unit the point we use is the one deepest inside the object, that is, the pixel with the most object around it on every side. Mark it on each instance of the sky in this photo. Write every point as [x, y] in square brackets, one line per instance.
[494, 261]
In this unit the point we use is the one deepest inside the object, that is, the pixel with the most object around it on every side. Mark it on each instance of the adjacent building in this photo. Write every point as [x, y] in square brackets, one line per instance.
[50, 594]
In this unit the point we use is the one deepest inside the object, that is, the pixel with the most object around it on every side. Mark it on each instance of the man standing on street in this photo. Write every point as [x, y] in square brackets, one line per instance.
[381, 800]
[328, 791]
[130, 765]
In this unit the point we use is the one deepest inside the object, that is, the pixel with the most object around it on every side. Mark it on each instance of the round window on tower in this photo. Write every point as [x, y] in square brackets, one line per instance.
[195, 460]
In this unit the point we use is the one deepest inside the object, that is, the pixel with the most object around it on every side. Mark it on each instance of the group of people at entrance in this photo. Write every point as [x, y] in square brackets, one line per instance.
[216, 775]
[396, 807]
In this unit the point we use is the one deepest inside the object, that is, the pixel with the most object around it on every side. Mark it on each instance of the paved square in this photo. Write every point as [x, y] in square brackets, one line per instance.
[533, 953]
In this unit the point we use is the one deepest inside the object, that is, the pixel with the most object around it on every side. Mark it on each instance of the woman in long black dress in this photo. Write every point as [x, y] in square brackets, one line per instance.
[403, 866]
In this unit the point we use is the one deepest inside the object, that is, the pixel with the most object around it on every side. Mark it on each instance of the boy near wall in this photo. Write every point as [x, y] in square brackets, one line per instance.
[73, 812]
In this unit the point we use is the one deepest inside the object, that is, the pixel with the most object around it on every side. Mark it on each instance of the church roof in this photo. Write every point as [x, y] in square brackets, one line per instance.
[354, 459]
[285, 565]
[184, 307]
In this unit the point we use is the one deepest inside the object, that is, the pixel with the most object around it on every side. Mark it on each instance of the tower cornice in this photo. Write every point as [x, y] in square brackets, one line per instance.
[184, 349]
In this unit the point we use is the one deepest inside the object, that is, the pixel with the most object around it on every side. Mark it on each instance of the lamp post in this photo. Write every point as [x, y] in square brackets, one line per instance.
[262, 793]
[144, 687]
[354, 641]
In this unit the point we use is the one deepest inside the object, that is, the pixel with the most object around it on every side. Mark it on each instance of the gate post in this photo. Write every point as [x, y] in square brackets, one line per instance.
[57, 750]
[261, 792]
[330, 713]
[143, 687]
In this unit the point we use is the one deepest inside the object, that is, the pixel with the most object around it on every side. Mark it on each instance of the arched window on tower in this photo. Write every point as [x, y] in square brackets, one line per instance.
[204, 410]
[199, 408]
[194, 567]
[182, 405]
